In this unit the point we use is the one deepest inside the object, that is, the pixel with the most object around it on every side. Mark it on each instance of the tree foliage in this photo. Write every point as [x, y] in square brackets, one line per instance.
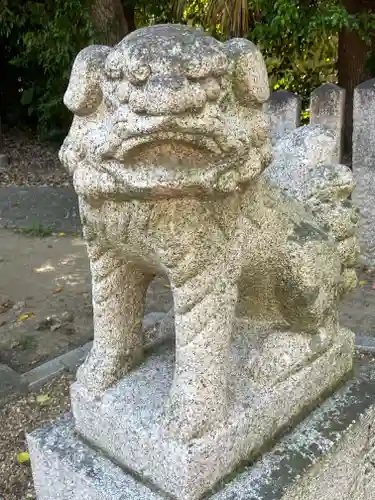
[298, 38]
[40, 39]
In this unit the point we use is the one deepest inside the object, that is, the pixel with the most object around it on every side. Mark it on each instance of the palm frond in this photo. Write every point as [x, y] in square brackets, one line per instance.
[231, 15]
[178, 8]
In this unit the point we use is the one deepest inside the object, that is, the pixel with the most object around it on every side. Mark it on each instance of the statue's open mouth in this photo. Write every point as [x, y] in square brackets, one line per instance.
[128, 138]
[166, 157]
[134, 144]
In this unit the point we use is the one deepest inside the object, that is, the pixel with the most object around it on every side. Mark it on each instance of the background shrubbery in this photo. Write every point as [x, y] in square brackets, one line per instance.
[299, 38]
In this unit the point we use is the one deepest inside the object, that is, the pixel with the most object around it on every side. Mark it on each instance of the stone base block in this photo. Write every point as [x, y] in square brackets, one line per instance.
[329, 456]
[128, 421]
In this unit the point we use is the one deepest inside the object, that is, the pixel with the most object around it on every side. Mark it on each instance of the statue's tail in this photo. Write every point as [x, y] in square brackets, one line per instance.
[304, 168]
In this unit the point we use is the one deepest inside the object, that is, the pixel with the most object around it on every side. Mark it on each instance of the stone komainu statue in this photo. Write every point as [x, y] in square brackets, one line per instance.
[172, 162]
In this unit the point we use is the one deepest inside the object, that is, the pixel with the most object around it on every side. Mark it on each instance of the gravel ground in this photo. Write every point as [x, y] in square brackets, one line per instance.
[19, 416]
[31, 163]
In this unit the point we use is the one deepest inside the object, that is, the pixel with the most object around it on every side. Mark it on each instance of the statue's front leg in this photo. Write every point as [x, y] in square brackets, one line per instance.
[118, 295]
[204, 315]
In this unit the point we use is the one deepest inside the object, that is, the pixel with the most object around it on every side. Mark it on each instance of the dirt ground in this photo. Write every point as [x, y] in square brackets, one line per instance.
[45, 300]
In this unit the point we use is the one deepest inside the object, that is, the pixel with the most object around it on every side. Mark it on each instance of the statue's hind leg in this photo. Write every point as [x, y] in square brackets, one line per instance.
[118, 295]
[304, 294]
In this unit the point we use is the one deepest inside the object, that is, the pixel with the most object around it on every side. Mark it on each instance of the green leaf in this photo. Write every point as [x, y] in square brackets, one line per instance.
[23, 458]
[26, 316]
[27, 96]
[42, 398]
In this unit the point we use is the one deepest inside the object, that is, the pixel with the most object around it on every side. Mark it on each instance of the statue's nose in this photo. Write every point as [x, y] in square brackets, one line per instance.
[167, 94]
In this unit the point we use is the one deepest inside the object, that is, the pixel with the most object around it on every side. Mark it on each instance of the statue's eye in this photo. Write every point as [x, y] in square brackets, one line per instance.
[212, 88]
[114, 74]
[194, 71]
[114, 66]
[123, 91]
[139, 74]
[219, 63]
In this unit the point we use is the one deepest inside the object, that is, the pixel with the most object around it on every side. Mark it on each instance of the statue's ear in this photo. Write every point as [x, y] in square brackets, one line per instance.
[249, 72]
[84, 93]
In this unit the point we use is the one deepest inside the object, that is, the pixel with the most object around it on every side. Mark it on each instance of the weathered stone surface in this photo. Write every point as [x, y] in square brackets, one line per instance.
[363, 161]
[329, 456]
[298, 159]
[195, 158]
[304, 167]
[283, 109]
[65, 468]
[327, 108]
[127, 421]
[168, 149]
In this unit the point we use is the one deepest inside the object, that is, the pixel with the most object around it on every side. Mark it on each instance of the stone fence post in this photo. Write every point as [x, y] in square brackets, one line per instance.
[363, 164]
[283, 109]
[327, 109]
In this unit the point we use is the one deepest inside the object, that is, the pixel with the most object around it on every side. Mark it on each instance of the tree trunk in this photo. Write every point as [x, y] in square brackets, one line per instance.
[129, 12]
[109, 18]
[352, 56]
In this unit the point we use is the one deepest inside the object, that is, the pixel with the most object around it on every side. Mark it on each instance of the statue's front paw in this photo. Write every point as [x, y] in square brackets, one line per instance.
[99, 372]
[348, 281]
[187, 419]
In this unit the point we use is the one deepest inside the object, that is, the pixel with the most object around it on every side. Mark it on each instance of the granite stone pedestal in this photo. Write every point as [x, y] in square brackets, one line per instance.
[128, 421]
[328, 456]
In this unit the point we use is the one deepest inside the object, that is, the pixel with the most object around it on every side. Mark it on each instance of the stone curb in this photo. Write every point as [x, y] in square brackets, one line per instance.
[34, 379]
[48, 206]
[365, 344]
[69, 361]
